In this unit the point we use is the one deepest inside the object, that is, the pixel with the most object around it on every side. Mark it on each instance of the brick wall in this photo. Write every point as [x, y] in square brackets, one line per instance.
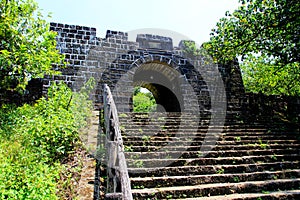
[108, 59]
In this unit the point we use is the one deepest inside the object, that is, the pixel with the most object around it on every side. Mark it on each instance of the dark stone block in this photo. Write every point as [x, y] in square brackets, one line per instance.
[69, 45]
[53, 24]
[68, 71]
[74, 57]
[71, 62]
[81, 57]
[76, 62]
[71, 35]
[83, 41]
[67, 56]
[59, 78]
[78, 27]
[67, 51]
[73, 31]
[76, 45]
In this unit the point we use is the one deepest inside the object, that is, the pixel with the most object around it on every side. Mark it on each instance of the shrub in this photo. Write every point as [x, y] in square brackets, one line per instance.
[22, 176]
[143, 102]
[34, 138]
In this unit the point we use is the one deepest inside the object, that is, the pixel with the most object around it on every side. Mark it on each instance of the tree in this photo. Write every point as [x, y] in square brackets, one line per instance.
[27, 46]
[143, 102]
[265, 35]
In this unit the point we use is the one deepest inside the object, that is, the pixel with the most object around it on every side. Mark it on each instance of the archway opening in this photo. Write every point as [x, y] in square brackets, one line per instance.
[143, 100]
[163, 82]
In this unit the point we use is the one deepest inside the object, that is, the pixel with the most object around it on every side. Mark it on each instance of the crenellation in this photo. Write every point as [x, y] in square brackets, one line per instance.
[117, 35]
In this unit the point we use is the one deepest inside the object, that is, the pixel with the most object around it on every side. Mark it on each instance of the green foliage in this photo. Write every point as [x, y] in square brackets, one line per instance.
[236, 179]
[138, 163]
[264, 76]
[237, 138]
[33, 139]
[194, 54]
[262, 144]
[27, 47]
[143, 102]
[265, 34]
[146, 138]
[22, 176]
[220, 171]
[190, 49]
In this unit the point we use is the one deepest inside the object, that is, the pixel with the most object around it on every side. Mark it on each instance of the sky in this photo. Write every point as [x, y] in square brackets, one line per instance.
[192, 18]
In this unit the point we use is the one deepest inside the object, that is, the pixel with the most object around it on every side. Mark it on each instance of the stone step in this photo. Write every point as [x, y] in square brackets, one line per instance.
[185, 118]
[163, 134]
[213, 169]
[184, 180]
[280, 195]
[202, 129]
[186, 136]
[151, 163]
[160, 116]
[199, 143]
[216, 189]
[188, 126]
[191, 119]
[212, 154]
[215, 148]
[164, 158]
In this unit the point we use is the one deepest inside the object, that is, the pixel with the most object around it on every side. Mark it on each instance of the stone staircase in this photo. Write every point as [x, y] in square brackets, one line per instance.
[166, 158]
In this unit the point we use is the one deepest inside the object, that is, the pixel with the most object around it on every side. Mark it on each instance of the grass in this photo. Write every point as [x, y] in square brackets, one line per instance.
[220, 171]
[38, 144]
[123, 115]
[138, 163]
[237, 139]
[146, 138]
[236, 179]
[199, 154]
[262, 144]
[128, 149]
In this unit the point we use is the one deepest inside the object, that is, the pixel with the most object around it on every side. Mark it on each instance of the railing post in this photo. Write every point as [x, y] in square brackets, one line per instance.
[117, 173]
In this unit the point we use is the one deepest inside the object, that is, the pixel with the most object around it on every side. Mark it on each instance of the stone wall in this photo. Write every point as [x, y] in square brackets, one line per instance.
[116, 61]
[272, 108]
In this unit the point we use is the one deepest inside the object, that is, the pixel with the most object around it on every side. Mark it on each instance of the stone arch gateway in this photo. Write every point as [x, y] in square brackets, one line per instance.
[152, 62]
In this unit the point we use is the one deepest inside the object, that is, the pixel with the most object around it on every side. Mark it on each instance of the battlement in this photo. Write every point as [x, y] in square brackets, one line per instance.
[148, 41]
